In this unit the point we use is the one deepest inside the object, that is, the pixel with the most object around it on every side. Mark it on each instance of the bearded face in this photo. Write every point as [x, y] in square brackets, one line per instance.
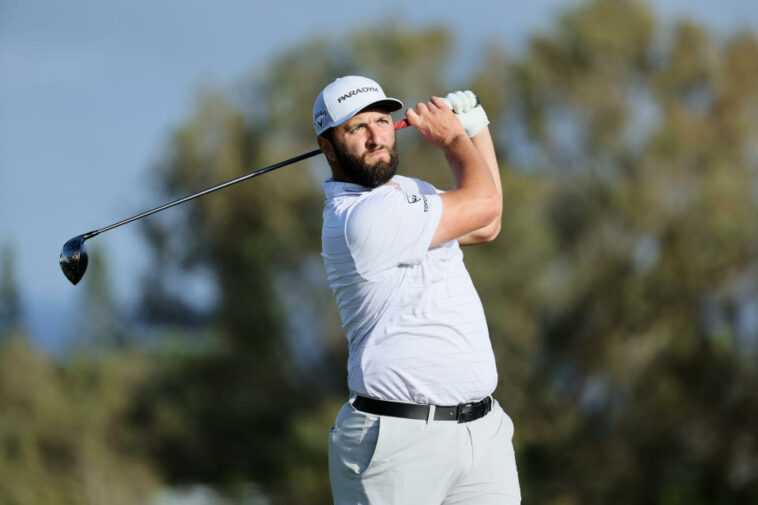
[360, 170]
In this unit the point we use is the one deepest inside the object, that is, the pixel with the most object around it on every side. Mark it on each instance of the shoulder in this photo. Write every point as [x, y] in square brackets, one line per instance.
[372, 207]
[413, 185]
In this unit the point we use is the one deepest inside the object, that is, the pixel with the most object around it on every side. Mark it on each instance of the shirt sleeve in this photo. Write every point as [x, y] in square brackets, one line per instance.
[391, 227]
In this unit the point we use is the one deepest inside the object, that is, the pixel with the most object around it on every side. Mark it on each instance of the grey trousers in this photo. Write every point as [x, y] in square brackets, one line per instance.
[382, 460]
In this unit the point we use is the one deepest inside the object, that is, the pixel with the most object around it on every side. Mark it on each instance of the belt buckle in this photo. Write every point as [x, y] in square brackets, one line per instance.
[466, 412]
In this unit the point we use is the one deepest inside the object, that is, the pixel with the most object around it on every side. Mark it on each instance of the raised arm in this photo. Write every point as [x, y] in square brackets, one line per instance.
[474, 120]
[476, 201]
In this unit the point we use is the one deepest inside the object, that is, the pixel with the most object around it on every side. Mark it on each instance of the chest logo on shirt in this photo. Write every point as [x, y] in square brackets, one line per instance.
[417, 198]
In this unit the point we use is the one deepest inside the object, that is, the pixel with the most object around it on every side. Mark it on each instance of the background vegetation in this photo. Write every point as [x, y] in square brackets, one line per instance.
[621, 294]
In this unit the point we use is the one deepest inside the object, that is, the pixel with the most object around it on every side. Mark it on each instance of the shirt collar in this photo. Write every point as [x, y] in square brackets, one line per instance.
[334, 188]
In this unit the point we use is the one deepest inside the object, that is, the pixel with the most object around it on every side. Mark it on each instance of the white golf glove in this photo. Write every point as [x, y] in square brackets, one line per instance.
[466, 106]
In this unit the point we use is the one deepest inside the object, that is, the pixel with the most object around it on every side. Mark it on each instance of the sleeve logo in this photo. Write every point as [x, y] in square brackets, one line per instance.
[411, 198]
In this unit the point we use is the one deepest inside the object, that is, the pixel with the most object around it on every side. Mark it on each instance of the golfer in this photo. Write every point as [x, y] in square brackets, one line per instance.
[421, 426]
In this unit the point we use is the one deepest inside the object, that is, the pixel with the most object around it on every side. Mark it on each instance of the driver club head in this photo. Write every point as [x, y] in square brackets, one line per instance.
[74, 259]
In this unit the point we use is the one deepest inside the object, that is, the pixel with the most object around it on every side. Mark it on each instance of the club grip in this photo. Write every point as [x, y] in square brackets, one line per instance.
[403, 123]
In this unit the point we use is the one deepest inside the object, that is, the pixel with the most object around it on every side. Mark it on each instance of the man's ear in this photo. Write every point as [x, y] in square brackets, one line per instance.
[327, 148]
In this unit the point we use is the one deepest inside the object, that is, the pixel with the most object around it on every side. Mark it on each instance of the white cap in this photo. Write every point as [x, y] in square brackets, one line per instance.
[346, 97]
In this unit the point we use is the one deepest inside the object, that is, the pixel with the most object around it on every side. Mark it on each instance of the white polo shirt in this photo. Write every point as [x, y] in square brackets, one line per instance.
[414, 322]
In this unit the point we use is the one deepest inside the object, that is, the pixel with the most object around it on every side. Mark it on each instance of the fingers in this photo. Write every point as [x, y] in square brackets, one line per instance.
[462, 101]
[455, 102]
[435, 121]
[439, 102]
[412, 116]
[426, 109]
[472, 100]
[415, 117]
[468, 110]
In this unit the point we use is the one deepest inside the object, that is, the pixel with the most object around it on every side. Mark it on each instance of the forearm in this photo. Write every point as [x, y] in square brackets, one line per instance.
[482, 141]
[475, 201]
[472, 172]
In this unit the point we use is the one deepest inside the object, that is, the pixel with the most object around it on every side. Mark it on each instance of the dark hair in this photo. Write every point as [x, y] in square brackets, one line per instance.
[328, 134]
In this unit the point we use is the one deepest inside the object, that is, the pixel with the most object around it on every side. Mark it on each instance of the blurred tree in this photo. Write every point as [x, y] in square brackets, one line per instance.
[64, 437]
[620, 296]
[101, 325]
[10, 297]
[647, 144]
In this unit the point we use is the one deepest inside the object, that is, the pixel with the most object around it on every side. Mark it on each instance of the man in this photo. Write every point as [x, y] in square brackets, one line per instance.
[421, 426]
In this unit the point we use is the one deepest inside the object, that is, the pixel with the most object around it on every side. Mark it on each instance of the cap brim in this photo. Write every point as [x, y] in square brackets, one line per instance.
[388, 104]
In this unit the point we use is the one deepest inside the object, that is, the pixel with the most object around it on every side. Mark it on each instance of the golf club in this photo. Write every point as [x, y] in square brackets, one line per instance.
[74, 259]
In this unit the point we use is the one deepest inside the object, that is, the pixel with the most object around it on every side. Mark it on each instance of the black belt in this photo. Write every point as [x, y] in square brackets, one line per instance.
[462, 413]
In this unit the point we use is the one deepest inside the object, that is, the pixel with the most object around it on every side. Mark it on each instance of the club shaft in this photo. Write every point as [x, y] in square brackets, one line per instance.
[269, 168]
[398, 126]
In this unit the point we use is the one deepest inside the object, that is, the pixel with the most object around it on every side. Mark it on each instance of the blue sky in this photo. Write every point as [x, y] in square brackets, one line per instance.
[90, 90]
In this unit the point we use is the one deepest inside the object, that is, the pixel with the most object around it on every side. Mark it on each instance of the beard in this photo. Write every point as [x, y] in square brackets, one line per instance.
[358, 171]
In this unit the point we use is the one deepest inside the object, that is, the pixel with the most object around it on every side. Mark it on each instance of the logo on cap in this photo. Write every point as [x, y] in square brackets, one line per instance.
[364, 89]
[320, 115]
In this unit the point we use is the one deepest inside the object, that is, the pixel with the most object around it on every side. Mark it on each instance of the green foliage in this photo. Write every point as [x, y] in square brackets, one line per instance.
[639, 300]
[64, 434]
[614, 293]
[100, 326]
[620, 295]
[10, 297]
